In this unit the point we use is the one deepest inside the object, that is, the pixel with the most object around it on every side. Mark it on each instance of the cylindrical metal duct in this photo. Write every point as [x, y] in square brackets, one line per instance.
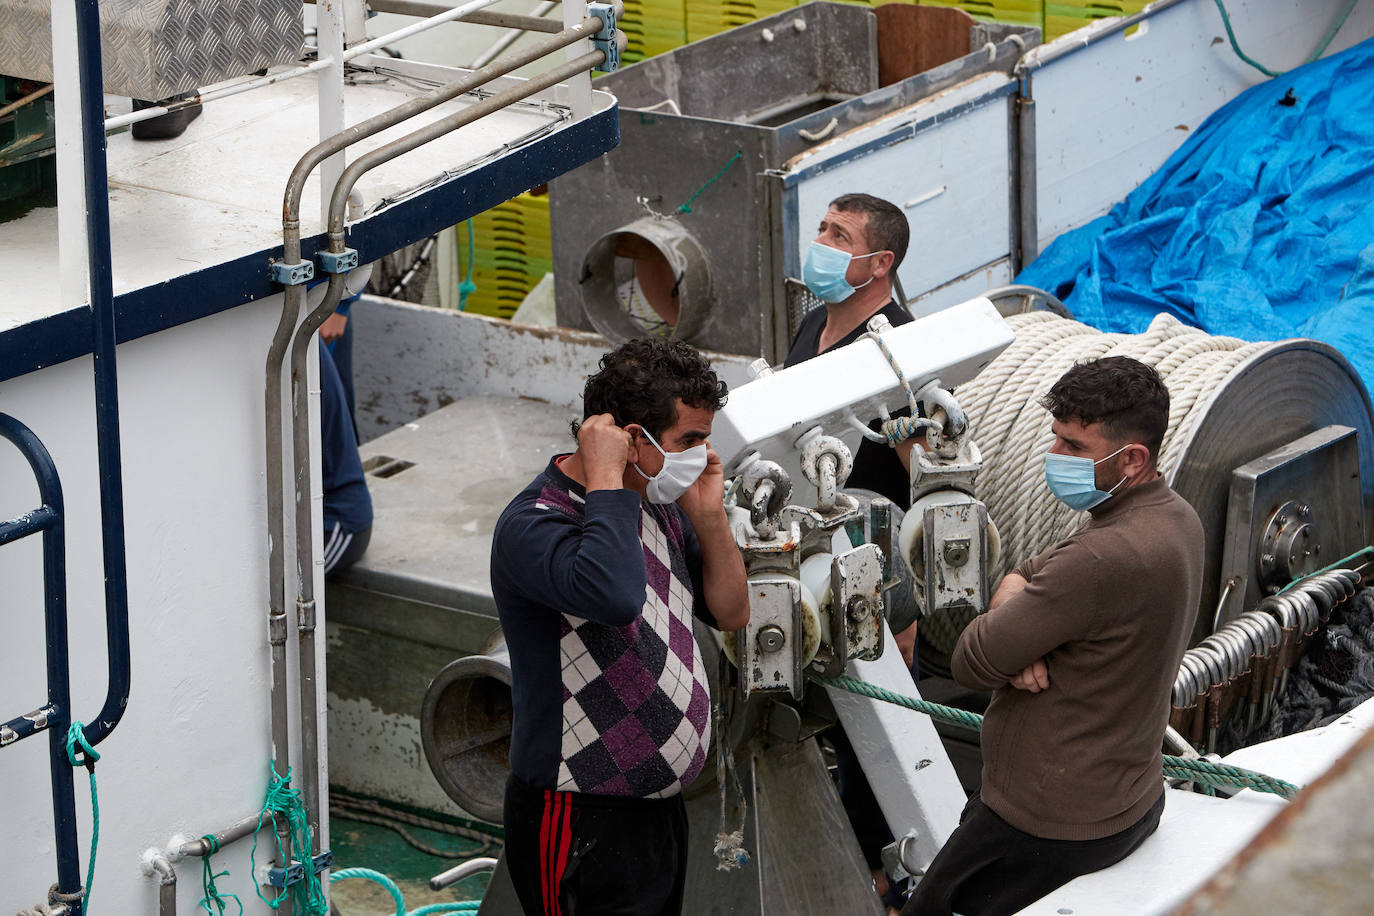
[465, 725]
[611, 264]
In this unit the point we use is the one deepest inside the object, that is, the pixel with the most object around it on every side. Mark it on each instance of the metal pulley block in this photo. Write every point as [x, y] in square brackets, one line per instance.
[856, 605]
[781, 638]
[950, 545]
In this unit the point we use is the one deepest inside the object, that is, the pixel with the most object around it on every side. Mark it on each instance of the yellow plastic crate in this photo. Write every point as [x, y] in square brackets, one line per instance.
[708, 17]
[1015, 12]
[653, 27]
[513, 251]
[1064, 16]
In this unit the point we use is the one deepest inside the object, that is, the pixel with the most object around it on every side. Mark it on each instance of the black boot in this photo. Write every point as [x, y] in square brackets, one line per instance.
[165, 127]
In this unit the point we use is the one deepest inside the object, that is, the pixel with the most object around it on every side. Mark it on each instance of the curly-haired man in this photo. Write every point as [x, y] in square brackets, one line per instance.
[597, 568]
[1080, 647]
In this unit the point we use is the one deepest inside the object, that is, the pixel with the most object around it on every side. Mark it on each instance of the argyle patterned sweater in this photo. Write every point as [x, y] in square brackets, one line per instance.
[596, 594]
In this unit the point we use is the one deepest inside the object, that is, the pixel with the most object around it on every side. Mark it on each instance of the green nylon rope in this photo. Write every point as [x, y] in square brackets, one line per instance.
[207, 881]
[467, 287]
[377, 877]
[687, 206]
[1217, 774]
[77, 744]
[1235, 46]
[285, 801]
[456, 906]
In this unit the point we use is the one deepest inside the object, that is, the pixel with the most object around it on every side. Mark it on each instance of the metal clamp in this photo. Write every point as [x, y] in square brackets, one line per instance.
[292, 274]
[606, 40]
[285, 877]
[337, 262]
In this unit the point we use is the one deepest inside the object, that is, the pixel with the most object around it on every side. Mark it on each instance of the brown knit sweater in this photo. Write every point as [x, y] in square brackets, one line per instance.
[1110, 610]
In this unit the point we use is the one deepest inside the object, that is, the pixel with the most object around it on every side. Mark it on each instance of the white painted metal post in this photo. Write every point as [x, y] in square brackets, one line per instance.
[580, 86]
[73, 285]
[901, 754]
[329, 25]
[355, 21]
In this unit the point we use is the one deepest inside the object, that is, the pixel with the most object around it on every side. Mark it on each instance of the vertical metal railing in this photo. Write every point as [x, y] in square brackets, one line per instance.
[55, 716]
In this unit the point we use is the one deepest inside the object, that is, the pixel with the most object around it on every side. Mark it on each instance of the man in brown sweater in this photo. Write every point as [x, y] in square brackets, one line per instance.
[1080, 647]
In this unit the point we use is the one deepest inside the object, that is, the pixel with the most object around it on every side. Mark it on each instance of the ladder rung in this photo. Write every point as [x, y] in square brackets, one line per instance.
[40, 519]
[23, 726]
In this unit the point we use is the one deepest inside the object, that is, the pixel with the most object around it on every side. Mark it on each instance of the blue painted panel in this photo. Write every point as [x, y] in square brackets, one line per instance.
[230, 284]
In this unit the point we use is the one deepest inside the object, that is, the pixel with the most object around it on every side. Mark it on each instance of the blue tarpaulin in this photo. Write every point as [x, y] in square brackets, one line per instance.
[1261, 226]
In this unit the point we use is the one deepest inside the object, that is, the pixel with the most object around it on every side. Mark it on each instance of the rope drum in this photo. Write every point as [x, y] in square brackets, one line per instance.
[1230, 402]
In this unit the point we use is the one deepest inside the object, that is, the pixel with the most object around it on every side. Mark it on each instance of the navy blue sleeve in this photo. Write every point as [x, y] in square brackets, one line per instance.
[594, 570]
[346, 499]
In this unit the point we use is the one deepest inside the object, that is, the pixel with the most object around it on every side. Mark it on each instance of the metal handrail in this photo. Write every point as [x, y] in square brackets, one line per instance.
[55, 716]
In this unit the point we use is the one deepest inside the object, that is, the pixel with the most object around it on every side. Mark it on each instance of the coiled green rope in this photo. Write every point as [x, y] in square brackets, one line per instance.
[432, 909]
[78, 745]
[1216, 774]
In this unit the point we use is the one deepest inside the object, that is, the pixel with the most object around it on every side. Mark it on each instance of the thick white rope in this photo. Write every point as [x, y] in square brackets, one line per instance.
[1013, 431]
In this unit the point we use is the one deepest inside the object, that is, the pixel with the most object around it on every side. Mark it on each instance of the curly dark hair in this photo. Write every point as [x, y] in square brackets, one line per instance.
[1125, 395]
[642, 380]
[887, 228]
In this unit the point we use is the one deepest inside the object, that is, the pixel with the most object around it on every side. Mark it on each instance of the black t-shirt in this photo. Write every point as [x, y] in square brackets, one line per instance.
[876, 467]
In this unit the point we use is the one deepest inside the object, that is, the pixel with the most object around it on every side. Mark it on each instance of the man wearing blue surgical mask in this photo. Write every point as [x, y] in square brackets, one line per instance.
[849, 266]
[1080, 648]
[597, 569]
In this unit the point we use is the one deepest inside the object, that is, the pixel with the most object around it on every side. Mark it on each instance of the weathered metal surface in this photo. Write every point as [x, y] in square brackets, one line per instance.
[1303, 386]
[1316, 856]
[766, 92]
[1319, 473]
[152, 49]
[901, 755]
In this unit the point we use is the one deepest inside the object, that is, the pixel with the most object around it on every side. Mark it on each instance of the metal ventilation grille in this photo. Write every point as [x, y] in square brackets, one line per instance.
[152, 49]
[800, 301]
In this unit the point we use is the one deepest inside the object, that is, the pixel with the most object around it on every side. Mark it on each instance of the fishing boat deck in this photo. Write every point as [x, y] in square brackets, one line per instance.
[195, 219]
[1196, 832]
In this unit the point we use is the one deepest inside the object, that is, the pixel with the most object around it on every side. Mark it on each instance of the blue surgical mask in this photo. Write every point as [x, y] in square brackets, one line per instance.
[824, 271]
[1072, 481]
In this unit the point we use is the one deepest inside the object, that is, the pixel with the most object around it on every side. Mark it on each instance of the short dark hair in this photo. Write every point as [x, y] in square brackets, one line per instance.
[887, 228]
[642, 380]
[1126, 396]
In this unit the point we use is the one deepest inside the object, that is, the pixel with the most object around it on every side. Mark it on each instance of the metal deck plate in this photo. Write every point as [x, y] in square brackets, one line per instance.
[433, 520]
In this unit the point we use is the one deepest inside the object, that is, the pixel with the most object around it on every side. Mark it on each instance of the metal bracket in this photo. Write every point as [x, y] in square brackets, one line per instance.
[292, 274]
[605, 40]
[337, 262]
[285, 877]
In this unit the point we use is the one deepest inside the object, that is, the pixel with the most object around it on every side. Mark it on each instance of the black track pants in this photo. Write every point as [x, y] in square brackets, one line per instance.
[592, 855]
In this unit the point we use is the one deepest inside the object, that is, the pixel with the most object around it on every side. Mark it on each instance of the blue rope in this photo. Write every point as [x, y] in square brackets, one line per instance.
[77, 744]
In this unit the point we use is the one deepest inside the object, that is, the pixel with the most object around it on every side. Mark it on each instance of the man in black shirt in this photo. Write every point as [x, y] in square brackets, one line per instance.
[849, 266]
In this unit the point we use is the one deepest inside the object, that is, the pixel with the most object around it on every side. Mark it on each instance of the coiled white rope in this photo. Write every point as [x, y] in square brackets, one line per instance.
[1013, 431]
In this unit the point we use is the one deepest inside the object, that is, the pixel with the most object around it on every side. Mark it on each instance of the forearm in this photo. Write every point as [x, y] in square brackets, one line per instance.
[722, 572]
[1012, 584]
